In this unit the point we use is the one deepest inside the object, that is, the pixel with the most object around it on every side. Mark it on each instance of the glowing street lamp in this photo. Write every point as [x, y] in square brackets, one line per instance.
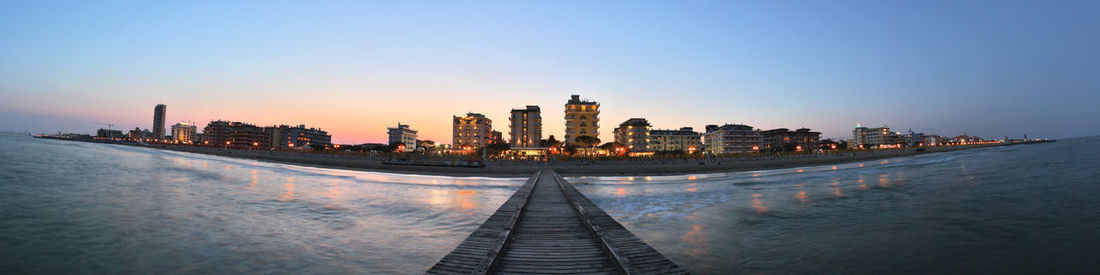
[833, 146]
[691, 149]
[798, 148]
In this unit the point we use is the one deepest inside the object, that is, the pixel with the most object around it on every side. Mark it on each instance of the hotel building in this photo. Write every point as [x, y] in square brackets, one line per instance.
[783, 139]
[581, 119]
[474, 130]
[235, 134]
[158, 121]
[731, 138]
[870, 137]
[289, 137]
[634, 134]
[525, 127]
[402, 134]
[183, 132]
[686, 139]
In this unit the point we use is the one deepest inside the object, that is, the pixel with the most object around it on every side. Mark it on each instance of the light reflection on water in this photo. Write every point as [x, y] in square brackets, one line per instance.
[93, 208]
[1018, 209]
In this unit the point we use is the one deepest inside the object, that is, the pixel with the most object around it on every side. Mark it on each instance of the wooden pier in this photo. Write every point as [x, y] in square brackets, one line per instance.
[548, 227]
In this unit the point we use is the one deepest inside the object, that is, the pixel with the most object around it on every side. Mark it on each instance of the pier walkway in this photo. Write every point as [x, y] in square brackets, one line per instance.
[548, 227]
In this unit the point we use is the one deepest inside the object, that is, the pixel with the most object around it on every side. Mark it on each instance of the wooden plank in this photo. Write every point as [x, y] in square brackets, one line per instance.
[548, 227]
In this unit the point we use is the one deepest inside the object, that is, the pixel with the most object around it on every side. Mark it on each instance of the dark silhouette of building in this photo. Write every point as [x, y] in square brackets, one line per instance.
[783, 139]
[287, 137]
[158, 121]
[237, 134]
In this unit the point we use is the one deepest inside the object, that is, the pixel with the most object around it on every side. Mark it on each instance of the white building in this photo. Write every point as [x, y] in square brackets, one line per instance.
[183, 132]
[402, 134]
[686, 139]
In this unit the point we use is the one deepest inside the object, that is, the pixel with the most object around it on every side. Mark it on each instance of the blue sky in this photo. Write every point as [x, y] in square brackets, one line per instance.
[990, 68]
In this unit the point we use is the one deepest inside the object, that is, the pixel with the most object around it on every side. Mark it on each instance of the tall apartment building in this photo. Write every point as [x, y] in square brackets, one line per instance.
[402, 134]
[158, 121]
[634, 134]
[870, 137]
[183, 132]
[289, 137]
[686, 139]
[474, 130]
[783, 139]
[581, 118]
[525, 127]
[235, 134]
[731, 138]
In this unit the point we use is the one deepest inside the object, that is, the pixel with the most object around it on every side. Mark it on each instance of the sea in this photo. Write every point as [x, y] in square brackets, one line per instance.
[73, 207]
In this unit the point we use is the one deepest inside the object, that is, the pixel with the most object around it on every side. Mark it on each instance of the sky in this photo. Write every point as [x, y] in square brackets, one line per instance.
[353, 68]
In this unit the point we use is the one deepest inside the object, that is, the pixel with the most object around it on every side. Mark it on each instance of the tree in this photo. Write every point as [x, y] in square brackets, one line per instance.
[611, 145]
[552, 142]
[588, 140]
[494, 149]
[395, 146]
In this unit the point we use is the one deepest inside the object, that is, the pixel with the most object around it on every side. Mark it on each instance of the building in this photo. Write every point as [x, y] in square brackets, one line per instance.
[183, 132]
[581, 119]
[108, 133]
[731, 138]
[686, 139]
[473, 130]
[783, 139]
[158, 121]
[915, 139]
[137, 134]
[496, 137]
[402, 134]
[525, 127]
[863, 137]
[634, 134]
[235, 134]
[290, 137]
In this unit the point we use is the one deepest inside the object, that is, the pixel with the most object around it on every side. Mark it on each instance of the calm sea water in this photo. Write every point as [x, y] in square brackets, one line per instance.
[72, 207]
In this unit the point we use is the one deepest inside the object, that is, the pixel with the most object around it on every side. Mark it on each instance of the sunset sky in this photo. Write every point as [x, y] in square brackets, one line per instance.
[353, 68]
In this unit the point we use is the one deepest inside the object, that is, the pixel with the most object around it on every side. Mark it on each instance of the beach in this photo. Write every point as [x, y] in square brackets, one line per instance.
[634, 167]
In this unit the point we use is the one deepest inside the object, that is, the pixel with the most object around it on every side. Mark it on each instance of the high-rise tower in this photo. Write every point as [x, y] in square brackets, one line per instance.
[158, 121]
[581, 119]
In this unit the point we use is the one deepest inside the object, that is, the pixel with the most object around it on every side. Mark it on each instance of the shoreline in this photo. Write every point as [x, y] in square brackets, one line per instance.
[525, 169]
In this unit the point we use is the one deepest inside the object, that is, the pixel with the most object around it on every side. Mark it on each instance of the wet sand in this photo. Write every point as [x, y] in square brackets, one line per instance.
[598, 168]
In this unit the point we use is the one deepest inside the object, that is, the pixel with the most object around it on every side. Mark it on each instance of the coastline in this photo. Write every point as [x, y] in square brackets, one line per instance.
[524, 169]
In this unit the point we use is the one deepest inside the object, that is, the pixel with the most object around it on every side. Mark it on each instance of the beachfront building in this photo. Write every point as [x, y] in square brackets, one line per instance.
[290, 137]
[686, 140]
[634, 134]
[914, 139]
[783, 139]
[581, 118]
[731, 138]
[139, 134]
[235, 134]
[473, 130]
[863, 137]
[402, 134]
[525, 127]
[108, 133]
[496, 137]
[158, 121]
[184, 133]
